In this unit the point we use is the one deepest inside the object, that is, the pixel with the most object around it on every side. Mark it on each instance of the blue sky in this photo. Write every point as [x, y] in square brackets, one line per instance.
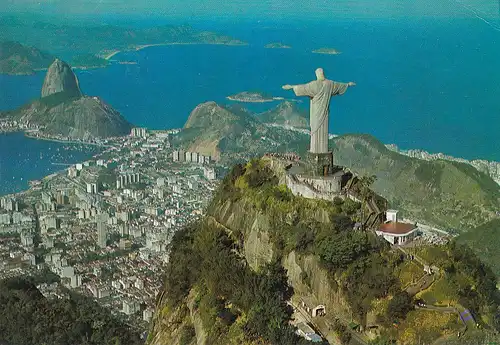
[264, 9]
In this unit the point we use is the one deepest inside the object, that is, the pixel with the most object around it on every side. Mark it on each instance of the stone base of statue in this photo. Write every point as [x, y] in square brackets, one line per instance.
[319, 164]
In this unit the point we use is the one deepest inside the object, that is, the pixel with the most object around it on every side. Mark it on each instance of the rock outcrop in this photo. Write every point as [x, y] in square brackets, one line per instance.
[60, 78]
[311, 281]
[253, 223]
[63, 112]
[84, 118]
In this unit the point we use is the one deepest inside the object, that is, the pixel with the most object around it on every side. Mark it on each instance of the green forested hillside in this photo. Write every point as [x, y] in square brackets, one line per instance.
[16, 58]
[448, 194]
[484, 240]
[27, 317]
[227, 278]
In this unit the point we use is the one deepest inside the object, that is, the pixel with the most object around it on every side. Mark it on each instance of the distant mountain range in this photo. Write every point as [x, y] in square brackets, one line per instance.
[18, 59]
[87, 45]
[64, 112]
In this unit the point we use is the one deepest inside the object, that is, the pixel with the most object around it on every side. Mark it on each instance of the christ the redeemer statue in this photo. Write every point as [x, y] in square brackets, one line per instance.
[320, 92]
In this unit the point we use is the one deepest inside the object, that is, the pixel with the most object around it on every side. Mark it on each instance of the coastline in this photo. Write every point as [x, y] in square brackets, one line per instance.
[62, 141]
[267, 100]
[109, 55]
[141, 47]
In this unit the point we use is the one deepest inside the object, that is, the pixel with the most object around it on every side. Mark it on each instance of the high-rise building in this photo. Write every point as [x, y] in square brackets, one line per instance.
[90, 188]
[138, 132]
[76, 281]
[102, 232]
[188, 156]
[209, 173]
[194, 157]
[175, 156]
[72, 172]
[9, 204]
[5, 218]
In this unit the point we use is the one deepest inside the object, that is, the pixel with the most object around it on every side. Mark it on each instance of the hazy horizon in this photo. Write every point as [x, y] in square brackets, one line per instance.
[267, 9]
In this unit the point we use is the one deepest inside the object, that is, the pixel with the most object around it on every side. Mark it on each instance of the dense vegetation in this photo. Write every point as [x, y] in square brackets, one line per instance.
[484, 241]
[88, 60]
[27, 317]
[239, 305]
[18, 59]
[235, 303]
[466, 281]
[449, 194]
[361, 261]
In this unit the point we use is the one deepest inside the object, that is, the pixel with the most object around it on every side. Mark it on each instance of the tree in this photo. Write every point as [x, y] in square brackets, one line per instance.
[399, 306]
[365, 191]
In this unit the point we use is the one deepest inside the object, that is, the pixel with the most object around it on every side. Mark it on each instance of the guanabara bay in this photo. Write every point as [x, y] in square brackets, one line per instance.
[259, 173]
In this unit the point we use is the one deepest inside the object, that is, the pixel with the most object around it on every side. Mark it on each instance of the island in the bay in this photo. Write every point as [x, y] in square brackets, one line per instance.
[327, 51]
[253, 97]
[85, 45]
[277, 45]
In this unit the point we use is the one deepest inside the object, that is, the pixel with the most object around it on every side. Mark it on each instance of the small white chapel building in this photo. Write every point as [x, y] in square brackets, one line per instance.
[396, 232]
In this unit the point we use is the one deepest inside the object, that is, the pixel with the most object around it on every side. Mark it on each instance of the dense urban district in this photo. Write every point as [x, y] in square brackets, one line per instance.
[102, 227]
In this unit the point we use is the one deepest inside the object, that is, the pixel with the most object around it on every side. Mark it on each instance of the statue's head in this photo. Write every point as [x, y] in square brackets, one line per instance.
[320, 74]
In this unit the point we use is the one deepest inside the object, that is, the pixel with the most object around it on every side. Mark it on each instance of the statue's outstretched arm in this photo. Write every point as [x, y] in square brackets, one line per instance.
[287, 87]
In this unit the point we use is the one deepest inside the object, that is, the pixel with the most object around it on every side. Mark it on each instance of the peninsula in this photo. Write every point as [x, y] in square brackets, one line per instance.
[98, 43]
[327, 51]
[277, 45]
[18, 59]
[253, 97]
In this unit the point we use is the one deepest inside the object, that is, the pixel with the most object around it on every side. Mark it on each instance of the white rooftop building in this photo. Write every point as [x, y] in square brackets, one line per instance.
[396, 232]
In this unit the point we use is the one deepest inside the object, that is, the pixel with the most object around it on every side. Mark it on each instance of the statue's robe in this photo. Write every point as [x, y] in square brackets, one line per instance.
[320, 92]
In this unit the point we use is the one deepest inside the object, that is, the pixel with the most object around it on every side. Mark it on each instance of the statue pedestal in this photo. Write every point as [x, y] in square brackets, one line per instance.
[320, 164]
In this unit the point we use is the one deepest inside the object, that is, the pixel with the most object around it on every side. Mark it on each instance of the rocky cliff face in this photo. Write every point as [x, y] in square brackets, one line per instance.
[63, 111]
[229, 276]
[253, 229]
[258, 250]
[60, 78]
[83, 118]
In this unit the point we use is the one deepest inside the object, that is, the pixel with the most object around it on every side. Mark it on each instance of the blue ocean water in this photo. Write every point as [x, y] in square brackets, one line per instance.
[430, 84]
[23, 159]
